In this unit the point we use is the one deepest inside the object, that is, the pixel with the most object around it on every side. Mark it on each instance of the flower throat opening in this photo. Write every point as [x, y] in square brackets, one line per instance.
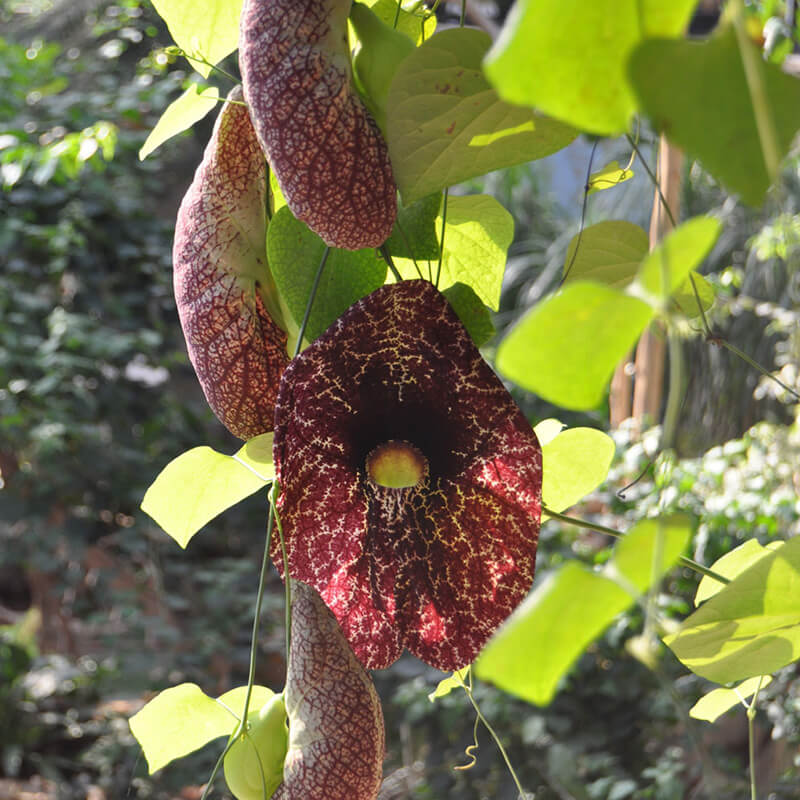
[397, 464]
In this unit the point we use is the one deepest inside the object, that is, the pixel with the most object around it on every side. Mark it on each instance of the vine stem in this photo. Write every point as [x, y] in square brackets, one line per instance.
[387, 257]
[751, 742]
[583, 213]
[706, 327]
[441, 244]
[287, 580]
[242, 726]
[271, 519]
[593, 526]
[486, 724]
[765, 121]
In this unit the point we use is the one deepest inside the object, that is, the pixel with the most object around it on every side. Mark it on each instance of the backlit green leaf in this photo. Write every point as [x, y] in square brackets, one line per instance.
[685, 300]
[207, 29]
[201, 483]
[418, 24]
[477, 236]
[608, 252]
[730, 565]
[544, 636]
[697, 93]
[713, 705]
[183, 719]
[574, 463]
[649, 550]
[568, 57]
[547, 430]
[446, 685]
[611, 175]
[295, 253]
[669, 264]
[749, 628]
[445, 124]
[566, 348]
[180, 115]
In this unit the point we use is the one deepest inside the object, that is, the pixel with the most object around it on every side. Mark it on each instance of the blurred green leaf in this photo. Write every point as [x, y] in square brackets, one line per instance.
[667, 266]
[445, 124]
[568, 57]
[749, 628]
[180, 115]
[697, 92]
[571, 608]
[608, 252]
[566, 347]
[201, 483]
[684, 297]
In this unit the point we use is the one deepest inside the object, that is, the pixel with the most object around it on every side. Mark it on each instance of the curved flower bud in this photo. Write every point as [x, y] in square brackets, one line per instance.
[227, 301]
[327, 152]
[410, 480]
[336, 733]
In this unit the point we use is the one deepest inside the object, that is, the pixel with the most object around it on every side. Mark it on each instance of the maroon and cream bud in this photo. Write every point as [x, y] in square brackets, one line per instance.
[326, 150]
[227, 300]
[337, 739]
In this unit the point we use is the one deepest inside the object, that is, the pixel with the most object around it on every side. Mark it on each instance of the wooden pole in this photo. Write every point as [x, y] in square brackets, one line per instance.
[648, 388]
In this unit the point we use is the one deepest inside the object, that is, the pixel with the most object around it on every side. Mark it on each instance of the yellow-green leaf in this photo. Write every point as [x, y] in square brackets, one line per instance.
[201, 483]
[180, 115]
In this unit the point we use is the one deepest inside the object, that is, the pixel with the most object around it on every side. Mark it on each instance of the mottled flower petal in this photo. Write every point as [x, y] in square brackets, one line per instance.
[434, 567]
[336, 733]
[225, 295]
[327, 152]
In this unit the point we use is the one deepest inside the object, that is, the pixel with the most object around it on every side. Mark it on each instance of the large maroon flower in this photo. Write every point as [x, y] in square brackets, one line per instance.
[410, 481]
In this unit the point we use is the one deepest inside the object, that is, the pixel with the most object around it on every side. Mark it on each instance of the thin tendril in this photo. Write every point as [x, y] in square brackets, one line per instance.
[200, 60]
[441, 244]
[583, 213]
[463, 13]
[593, 526]
[493, 734]
[469, 750]
[397, 14]
[653, 179]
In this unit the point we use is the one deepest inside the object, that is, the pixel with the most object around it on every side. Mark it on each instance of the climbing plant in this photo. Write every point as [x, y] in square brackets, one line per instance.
[333, 294]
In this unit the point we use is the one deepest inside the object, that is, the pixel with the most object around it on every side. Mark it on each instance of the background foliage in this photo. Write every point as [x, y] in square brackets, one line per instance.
[96, 395]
